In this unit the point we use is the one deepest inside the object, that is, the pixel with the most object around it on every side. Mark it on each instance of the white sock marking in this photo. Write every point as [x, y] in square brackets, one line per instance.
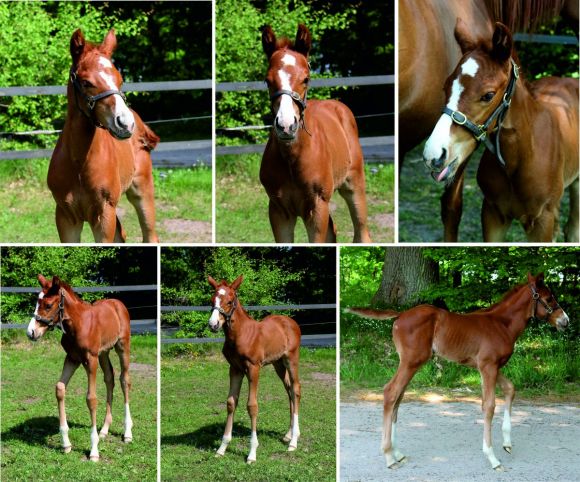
[94, 443]
[253, 446]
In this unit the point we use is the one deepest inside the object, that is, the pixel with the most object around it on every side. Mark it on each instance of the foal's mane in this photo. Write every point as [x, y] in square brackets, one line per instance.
[285, 43]
[507, 295]
[54, 289]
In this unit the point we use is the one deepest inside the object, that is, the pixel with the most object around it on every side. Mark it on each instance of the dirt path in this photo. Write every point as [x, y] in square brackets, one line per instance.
[442, 442]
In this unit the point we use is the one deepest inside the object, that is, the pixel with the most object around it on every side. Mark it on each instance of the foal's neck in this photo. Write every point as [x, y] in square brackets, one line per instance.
[519, 311]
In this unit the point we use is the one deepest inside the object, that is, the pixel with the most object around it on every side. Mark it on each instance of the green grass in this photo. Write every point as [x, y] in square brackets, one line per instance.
[31, 445]
[242, 204]
[182, 201]
[542, 364]
[193, 413]
[420, 211]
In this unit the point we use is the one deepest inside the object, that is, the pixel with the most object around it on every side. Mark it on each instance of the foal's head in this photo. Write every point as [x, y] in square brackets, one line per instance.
[224, 302]
[287, 79]
[546, 307]
[474, 90]
[97, 85]
[49, 308]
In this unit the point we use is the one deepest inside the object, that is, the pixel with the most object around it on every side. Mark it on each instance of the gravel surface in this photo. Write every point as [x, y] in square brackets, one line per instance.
[442, 442]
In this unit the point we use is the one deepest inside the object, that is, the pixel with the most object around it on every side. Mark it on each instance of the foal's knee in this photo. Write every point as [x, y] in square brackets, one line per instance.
[389, 397]
[92, 402]
[232, 403]
[488, 407]
[252, 409]
[60, 391]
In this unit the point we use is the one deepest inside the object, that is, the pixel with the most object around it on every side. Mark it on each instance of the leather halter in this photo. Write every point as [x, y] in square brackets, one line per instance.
[295, 96]
[91, 100]
[537, 299]
[227, 316]
[479, 131]
[55, 320]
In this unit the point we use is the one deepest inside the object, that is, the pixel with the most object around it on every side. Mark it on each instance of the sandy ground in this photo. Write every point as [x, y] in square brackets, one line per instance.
[442, 442]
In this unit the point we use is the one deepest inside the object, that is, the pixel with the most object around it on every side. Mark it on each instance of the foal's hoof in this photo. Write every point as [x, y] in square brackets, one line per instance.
[127, 440]
[103, 436]
[286, 438]
[94, 458]
[499, 468]
[67, 450]
[250, 461]
[508, 450]
[292, 448]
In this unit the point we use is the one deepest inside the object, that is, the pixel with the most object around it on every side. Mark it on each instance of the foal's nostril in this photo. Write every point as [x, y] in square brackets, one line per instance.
[437, 163]
[294, 126]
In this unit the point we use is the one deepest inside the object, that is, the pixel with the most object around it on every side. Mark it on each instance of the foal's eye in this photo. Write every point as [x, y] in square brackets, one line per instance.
[87, 84]
[306, 80]
[487, 97]
[49, 306]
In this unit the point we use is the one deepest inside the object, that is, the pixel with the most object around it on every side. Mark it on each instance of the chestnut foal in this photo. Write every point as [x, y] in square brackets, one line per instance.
[89, 332]
[311, 151]
[483, 339]
[248, 346]
[102, 152]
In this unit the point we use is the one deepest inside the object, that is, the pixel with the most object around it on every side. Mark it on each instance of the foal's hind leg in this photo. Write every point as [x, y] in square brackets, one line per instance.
[123, 351]
[109, 377]
[287, 370]
[392, 396]
[571, 233]
[282, 372]
[489, 377]
[509, 392]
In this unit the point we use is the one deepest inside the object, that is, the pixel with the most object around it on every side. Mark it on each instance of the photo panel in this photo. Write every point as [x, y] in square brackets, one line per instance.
[79, 362]
[214, 357]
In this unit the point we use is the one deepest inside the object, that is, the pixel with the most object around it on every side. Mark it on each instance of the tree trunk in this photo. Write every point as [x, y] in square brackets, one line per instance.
[406, 273]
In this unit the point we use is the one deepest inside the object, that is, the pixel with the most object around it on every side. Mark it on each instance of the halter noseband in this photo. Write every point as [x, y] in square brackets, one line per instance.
[479, 131]
[55, 320]
[91, 100]
[299, 101]
[537, 299]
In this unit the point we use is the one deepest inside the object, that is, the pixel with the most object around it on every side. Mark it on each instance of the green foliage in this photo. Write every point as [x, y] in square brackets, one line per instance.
[265, 282]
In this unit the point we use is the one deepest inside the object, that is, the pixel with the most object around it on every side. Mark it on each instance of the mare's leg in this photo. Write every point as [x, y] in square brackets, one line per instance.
[109, 377]
[495, 225]
[282, 223]
[141, 196]
[392, 396]
[91, 369]
[571, 230]
[489, 376]
[452, 205]
[318, 222]
[253, 377]
[123, 349]
[509, 392]
[69, 231]
[236, 378]
[67, 372]
[356, 199]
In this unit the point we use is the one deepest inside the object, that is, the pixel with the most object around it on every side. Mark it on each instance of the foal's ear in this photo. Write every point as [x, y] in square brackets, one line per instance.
[43, 282]
[109, 43]
[77, 45]
[540, 278]
[303, 40]
[55, 281]
[501, 43]
[268, 41]
[238, 281]
[463, 36]
[212, 282]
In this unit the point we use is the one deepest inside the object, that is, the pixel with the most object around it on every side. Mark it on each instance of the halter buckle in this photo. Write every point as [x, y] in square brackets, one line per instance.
[456, 119]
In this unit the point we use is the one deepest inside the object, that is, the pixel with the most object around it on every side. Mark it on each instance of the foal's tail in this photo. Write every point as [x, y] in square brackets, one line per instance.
[374, 314]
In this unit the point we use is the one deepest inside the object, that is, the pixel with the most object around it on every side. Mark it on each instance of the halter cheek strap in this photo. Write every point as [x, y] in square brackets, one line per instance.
[295, 96]
[91, 100]
[480, 131]
[537, 299]
[227, 316]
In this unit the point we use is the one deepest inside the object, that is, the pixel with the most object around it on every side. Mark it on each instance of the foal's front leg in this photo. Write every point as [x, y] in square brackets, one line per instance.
[236, 378]
[91, 369]
[67, 372]
[253, 376]
[489, 376]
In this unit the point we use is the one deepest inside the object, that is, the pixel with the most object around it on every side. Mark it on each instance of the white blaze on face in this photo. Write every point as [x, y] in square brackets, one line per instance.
[440, 138]
[122, 116]
[286, 115]
[32, 324]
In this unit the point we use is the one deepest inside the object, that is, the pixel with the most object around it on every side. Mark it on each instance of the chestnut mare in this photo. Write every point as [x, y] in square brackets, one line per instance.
[428, 53]
[102, 152]
[483, 339]
[530, 131]
[89, 332]
[248, 346]
[311, 151]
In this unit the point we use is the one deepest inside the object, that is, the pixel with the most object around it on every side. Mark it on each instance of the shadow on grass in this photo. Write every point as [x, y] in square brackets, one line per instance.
[209, 437]
[36, 431]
